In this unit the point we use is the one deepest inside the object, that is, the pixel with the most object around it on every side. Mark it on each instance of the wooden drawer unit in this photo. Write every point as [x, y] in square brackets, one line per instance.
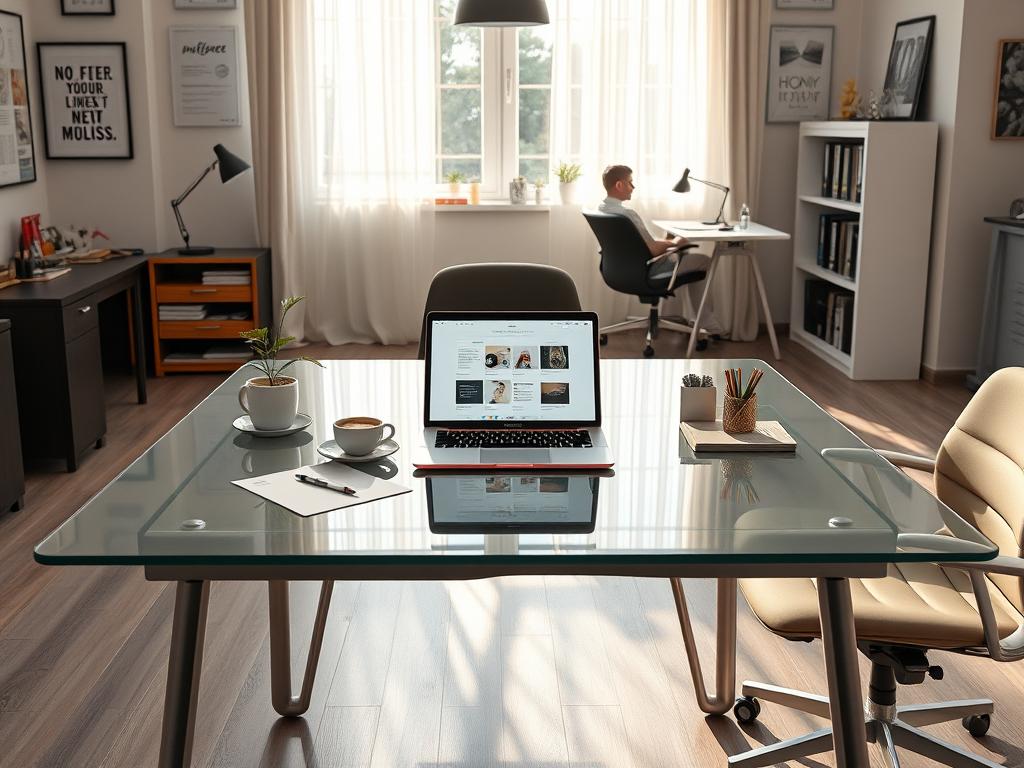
[80, 318]
[178, 280]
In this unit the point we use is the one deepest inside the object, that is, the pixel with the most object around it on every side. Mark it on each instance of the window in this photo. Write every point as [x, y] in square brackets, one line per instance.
[493, 102]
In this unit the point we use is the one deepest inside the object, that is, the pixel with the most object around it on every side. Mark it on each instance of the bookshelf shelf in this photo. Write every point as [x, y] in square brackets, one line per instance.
[878, 312]
[831, 202]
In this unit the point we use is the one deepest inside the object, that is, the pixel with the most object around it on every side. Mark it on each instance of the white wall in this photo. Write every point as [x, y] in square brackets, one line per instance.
[21, 199]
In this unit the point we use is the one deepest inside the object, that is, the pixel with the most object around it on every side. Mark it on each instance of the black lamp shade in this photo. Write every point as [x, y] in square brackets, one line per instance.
[230, 165]
[683, 185]
[501, 13]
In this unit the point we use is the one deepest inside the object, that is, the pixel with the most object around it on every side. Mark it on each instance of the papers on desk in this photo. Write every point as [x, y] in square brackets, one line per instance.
[305, 499]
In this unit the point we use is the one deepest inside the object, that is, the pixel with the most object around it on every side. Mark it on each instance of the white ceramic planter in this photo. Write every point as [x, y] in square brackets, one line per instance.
[697, 403]
[270, 407]
[567, 192]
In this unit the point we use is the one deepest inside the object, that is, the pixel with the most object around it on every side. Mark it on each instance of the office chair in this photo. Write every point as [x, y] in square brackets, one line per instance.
[625, 259]
[969, 608]
[499, 287]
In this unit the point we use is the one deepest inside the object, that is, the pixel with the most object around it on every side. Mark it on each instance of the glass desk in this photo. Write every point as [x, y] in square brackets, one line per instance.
[831, 511]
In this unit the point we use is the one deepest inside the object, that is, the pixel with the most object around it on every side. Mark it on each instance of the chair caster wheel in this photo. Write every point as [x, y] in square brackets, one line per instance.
[702, 344]
[648, 351]
[603, 338]
[977, 725]
[746, 709]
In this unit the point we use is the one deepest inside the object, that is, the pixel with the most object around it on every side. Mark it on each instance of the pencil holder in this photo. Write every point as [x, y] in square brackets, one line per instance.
[739, 416]
[697, 403]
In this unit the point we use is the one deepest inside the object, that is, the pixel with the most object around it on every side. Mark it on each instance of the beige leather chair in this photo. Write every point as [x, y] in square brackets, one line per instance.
[499, 287]
[968, 608]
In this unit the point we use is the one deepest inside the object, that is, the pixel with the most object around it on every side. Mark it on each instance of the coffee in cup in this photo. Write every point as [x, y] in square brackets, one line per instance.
[360, 435]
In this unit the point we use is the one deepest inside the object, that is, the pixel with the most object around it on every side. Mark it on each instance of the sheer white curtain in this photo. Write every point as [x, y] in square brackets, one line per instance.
[343, 113]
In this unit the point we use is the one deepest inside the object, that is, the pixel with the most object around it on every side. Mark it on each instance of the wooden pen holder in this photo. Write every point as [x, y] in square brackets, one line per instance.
[739, 416]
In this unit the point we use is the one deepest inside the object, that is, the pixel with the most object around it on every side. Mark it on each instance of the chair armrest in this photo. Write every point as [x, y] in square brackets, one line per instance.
[673, 250]
[1001, 564]
[908, 460]
[871, 456]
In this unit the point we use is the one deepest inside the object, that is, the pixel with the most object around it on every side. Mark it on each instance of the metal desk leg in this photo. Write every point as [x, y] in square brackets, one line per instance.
[715, 256]
[725, 662]
[280, 649]
[764, 303]
[843, 674]
[140, 342]
[183, 670]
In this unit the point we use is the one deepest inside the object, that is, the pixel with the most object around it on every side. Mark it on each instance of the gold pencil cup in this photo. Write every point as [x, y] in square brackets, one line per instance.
[739, 416]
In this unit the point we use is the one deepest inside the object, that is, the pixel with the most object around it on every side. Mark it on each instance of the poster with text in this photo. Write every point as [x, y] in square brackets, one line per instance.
[85, 100]
[17, 157]
[204, 76]
[799, 74]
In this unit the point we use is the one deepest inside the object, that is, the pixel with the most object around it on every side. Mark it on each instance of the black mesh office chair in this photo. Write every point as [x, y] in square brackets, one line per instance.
[498, 288]
[625, 260]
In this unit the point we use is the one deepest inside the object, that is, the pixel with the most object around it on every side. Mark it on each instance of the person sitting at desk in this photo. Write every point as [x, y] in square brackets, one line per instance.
[618, 183]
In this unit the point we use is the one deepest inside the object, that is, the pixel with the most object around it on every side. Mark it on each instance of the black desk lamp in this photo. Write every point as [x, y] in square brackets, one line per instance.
[230, 166]
[683, 185]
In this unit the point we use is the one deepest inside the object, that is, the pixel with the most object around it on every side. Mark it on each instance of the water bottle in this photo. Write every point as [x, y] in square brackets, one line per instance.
[744, 217]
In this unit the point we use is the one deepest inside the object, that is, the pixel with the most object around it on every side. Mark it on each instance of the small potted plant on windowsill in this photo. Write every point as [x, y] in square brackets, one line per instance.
[567, 174]
[455, 179]
[538, 190]
[271, 400]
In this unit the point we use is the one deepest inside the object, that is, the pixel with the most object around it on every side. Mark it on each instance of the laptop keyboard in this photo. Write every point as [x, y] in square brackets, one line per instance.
[513, 438]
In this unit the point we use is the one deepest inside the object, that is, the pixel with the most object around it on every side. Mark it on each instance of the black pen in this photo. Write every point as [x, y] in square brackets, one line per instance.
[324, 484]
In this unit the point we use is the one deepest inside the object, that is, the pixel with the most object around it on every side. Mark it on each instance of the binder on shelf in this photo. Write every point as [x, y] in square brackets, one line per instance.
[828, 314]
[842, 170]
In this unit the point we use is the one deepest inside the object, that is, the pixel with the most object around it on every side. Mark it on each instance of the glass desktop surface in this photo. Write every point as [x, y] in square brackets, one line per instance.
[660, 505]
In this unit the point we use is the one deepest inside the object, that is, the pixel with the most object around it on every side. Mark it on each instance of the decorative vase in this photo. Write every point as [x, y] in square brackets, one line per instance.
[517, 192]
[270, 407]
[474, 193]
[538, 195]
[739, 416]
[567, 192]
[454, 187]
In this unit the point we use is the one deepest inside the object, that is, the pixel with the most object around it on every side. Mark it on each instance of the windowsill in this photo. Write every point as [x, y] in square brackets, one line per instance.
[494, 206]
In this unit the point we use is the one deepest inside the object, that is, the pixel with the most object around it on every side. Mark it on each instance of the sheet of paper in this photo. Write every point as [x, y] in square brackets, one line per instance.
[305, 499]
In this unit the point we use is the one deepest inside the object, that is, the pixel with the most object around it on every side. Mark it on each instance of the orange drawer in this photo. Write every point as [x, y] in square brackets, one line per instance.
[203, 329]
[196, 293]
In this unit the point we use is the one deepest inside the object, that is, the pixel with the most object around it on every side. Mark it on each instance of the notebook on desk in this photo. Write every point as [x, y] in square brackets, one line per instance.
[708, 436]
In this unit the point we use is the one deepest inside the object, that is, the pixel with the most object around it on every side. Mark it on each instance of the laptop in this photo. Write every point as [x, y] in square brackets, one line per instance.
[516, 390]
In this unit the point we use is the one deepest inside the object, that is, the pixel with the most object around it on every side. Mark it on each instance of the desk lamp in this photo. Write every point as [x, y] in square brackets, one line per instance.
[230, 166]
[683, 185]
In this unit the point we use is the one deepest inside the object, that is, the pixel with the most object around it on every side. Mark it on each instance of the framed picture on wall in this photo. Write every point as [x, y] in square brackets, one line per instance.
[804, 5]
[908, 68]
[206, 5]
[799, 73]
[87, 7]
[86, 114]
[204, 76]
[17, 153]
[1008, 110]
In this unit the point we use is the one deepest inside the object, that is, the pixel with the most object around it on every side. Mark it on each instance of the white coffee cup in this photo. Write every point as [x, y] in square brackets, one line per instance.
[270, 407]
[359, 435]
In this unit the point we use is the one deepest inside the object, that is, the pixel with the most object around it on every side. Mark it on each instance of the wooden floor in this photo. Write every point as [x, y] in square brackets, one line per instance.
[554, 671]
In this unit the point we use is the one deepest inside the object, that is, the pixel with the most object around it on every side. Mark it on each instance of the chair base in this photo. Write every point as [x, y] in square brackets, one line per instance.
[653, 324]
[887, 726]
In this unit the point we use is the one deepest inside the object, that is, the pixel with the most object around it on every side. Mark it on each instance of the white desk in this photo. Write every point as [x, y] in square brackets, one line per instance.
[733, 242]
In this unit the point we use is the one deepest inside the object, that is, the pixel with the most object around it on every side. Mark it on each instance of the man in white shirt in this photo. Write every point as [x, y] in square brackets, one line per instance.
[618, 183]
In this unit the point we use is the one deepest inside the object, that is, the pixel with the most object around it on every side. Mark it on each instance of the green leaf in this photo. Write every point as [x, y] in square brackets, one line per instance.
[256, 334]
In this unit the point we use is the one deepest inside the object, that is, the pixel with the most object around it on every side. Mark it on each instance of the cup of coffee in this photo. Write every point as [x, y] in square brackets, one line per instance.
[359, 435]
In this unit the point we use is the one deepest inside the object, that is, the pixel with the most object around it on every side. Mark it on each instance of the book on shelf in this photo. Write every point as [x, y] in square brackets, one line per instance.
[838, 235]
[828, 314]
[843, 170]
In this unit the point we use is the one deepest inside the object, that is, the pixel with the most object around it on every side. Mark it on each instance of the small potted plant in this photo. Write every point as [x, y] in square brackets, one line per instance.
[538, 190]
[271, 400]
[455, 179]
[567, 174]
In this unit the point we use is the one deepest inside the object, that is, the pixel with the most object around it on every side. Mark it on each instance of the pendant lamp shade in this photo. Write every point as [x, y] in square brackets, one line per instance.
[501, 13]
[230, 165]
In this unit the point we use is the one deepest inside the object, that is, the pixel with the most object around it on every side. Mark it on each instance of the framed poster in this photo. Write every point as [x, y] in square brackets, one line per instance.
[804, 5]
[205, 5]
[17, 155]
[87, 7]
[204, 76]
[1008, 110]
[86, 115]
[799, 73]
[908, 66]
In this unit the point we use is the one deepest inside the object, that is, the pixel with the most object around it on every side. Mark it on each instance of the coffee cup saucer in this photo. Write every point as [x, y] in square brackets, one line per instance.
[244, 424]
[332, 450]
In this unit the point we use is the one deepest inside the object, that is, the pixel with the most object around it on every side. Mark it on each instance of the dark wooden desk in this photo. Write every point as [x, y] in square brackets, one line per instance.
[57, 363]
[12, 473]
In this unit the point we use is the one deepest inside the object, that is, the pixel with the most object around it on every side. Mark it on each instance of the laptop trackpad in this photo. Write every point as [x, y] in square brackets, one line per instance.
[515, 456]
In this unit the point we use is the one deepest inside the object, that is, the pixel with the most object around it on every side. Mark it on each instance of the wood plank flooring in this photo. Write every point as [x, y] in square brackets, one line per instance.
[556, 671]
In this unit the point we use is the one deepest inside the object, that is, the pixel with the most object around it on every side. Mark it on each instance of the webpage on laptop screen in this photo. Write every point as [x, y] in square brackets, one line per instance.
[519, 370]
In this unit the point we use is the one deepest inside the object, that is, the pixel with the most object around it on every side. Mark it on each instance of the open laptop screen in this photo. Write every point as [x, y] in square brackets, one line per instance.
[539, 369]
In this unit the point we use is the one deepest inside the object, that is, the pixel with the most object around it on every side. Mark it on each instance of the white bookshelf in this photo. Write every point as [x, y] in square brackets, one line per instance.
[895, 213]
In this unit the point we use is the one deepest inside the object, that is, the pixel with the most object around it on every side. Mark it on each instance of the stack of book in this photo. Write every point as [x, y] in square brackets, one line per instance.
[843, 170]
[216, 352]
[227, 277]
[182, 311]
[838, 238]
[828, 314]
